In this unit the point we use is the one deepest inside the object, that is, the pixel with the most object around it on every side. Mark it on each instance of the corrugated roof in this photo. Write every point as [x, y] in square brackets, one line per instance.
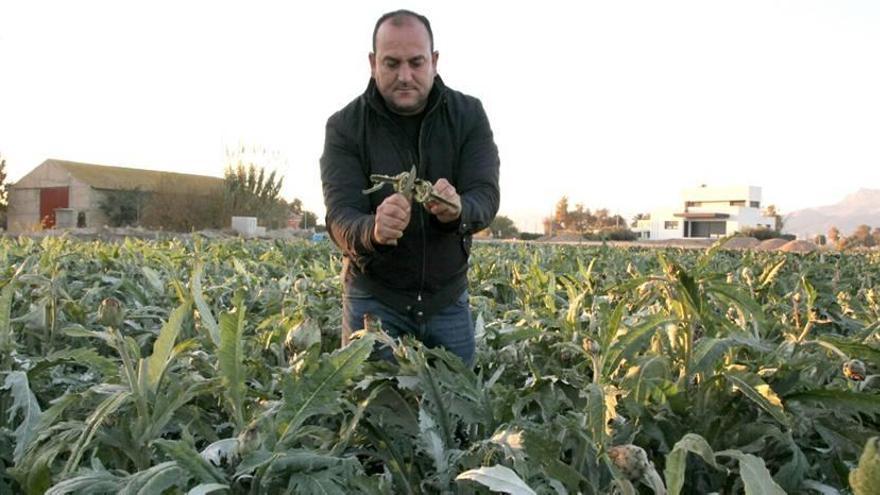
[120, 178]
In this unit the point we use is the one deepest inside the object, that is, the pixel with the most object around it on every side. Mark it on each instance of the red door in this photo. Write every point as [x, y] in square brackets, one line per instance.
[51, 198]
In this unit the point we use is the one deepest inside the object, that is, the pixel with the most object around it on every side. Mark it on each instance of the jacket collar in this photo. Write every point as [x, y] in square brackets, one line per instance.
[374, 98]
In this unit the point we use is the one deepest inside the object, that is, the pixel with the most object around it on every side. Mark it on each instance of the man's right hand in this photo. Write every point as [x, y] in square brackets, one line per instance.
[392, 217]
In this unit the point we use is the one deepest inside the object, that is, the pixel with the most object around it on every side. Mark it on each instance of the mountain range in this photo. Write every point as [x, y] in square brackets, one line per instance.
[861, 207]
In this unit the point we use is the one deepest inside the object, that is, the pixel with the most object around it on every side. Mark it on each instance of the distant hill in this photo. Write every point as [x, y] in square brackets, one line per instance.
[861, 207]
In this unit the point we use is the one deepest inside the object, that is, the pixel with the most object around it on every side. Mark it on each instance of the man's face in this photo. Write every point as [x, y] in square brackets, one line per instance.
[404, 66]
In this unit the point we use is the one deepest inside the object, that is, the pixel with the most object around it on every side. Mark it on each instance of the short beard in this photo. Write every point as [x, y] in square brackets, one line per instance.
[416, 109]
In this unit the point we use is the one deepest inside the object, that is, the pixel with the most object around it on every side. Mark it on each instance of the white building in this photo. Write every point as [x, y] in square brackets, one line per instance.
[707, 212]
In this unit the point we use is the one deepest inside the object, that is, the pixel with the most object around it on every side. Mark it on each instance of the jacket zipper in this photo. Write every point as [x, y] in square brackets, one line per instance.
[422, 213]
[420, 172]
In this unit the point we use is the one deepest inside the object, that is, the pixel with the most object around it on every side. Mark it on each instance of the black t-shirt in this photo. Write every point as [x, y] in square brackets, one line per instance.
[411, 125]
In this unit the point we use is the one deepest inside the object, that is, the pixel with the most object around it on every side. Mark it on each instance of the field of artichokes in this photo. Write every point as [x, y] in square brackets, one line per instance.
[201, 366]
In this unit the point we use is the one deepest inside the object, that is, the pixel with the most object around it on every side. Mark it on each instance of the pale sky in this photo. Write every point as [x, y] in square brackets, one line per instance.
[616, 104]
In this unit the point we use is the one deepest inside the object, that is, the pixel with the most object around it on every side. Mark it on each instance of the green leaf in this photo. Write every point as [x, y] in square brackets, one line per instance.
[855, 350]
[7, 341]
[155, 480]
[740, 299]
[759, 392]
[221, 449]
[205, 315]
[498, 478]
[820, 487]
[93, 422]
[23, 401]
[153, 279]
[544, 450]
[644, 376]
[515, 335]
[839, 400]
[612, 327]
[206, 488]
[81, 355]
[676, 460]
[790, 476]
[317, 392]
[230, 359]
[710, 350]
[770, 274]
[634, 340]
[190, 460]
[91, 482]
[756, 478]
[299, 460]
[163, 347]
[597, 413]
[431, 441]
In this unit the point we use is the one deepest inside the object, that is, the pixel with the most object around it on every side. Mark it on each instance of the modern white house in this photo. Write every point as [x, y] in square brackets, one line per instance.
[706, 212]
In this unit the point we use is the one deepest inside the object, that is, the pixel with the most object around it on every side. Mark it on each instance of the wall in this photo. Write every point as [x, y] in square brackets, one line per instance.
[731, 193]
[23, 213]
[24, 197]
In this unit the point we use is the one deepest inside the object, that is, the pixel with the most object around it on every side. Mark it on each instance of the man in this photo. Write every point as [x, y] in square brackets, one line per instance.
[403, 261]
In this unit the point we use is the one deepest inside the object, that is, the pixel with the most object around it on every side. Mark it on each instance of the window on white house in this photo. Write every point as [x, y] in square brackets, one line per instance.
[670, 225]
[755, 204]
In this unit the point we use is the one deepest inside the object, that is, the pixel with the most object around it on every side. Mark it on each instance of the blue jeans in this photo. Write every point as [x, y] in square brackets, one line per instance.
[451, 328]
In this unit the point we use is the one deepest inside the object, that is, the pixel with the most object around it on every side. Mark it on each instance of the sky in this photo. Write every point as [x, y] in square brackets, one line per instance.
[615, 104]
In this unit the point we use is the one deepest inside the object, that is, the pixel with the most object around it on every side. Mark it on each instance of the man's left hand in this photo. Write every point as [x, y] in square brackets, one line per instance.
[445, 213]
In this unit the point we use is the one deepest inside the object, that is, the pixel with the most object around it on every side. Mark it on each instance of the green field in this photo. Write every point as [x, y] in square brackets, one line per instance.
[221, 373]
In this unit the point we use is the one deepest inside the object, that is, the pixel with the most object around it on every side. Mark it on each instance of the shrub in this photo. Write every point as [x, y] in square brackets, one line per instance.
[763, 233]
[528, 236]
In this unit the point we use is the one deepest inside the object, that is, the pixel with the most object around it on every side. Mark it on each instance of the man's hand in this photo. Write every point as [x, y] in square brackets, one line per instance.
[392, 217]
[444, 212]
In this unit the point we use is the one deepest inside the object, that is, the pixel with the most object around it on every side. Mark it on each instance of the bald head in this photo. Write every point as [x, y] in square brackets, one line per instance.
[403, 61]
[401, 17]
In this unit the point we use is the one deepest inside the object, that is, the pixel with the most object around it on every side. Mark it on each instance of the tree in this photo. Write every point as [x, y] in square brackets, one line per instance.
[250, 191]
[123, 207]
[172, 206]
[503, 227]
[771, 211]
[309, 219]
[561, 215]
[833, 235]
[4, 193]
[861, 237]
[638, 217]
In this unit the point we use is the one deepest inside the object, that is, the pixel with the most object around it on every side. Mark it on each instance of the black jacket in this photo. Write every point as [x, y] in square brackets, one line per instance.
[427, 269]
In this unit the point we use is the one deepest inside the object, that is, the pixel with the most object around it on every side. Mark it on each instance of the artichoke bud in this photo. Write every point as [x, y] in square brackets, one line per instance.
[302, 336]
[372, 323]
[872, 297]
[301, 285]
[591, 346]
[854, 370]
[248, 440]
[865, 479]
[111, 312]
[732, 315]
[631, 460]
